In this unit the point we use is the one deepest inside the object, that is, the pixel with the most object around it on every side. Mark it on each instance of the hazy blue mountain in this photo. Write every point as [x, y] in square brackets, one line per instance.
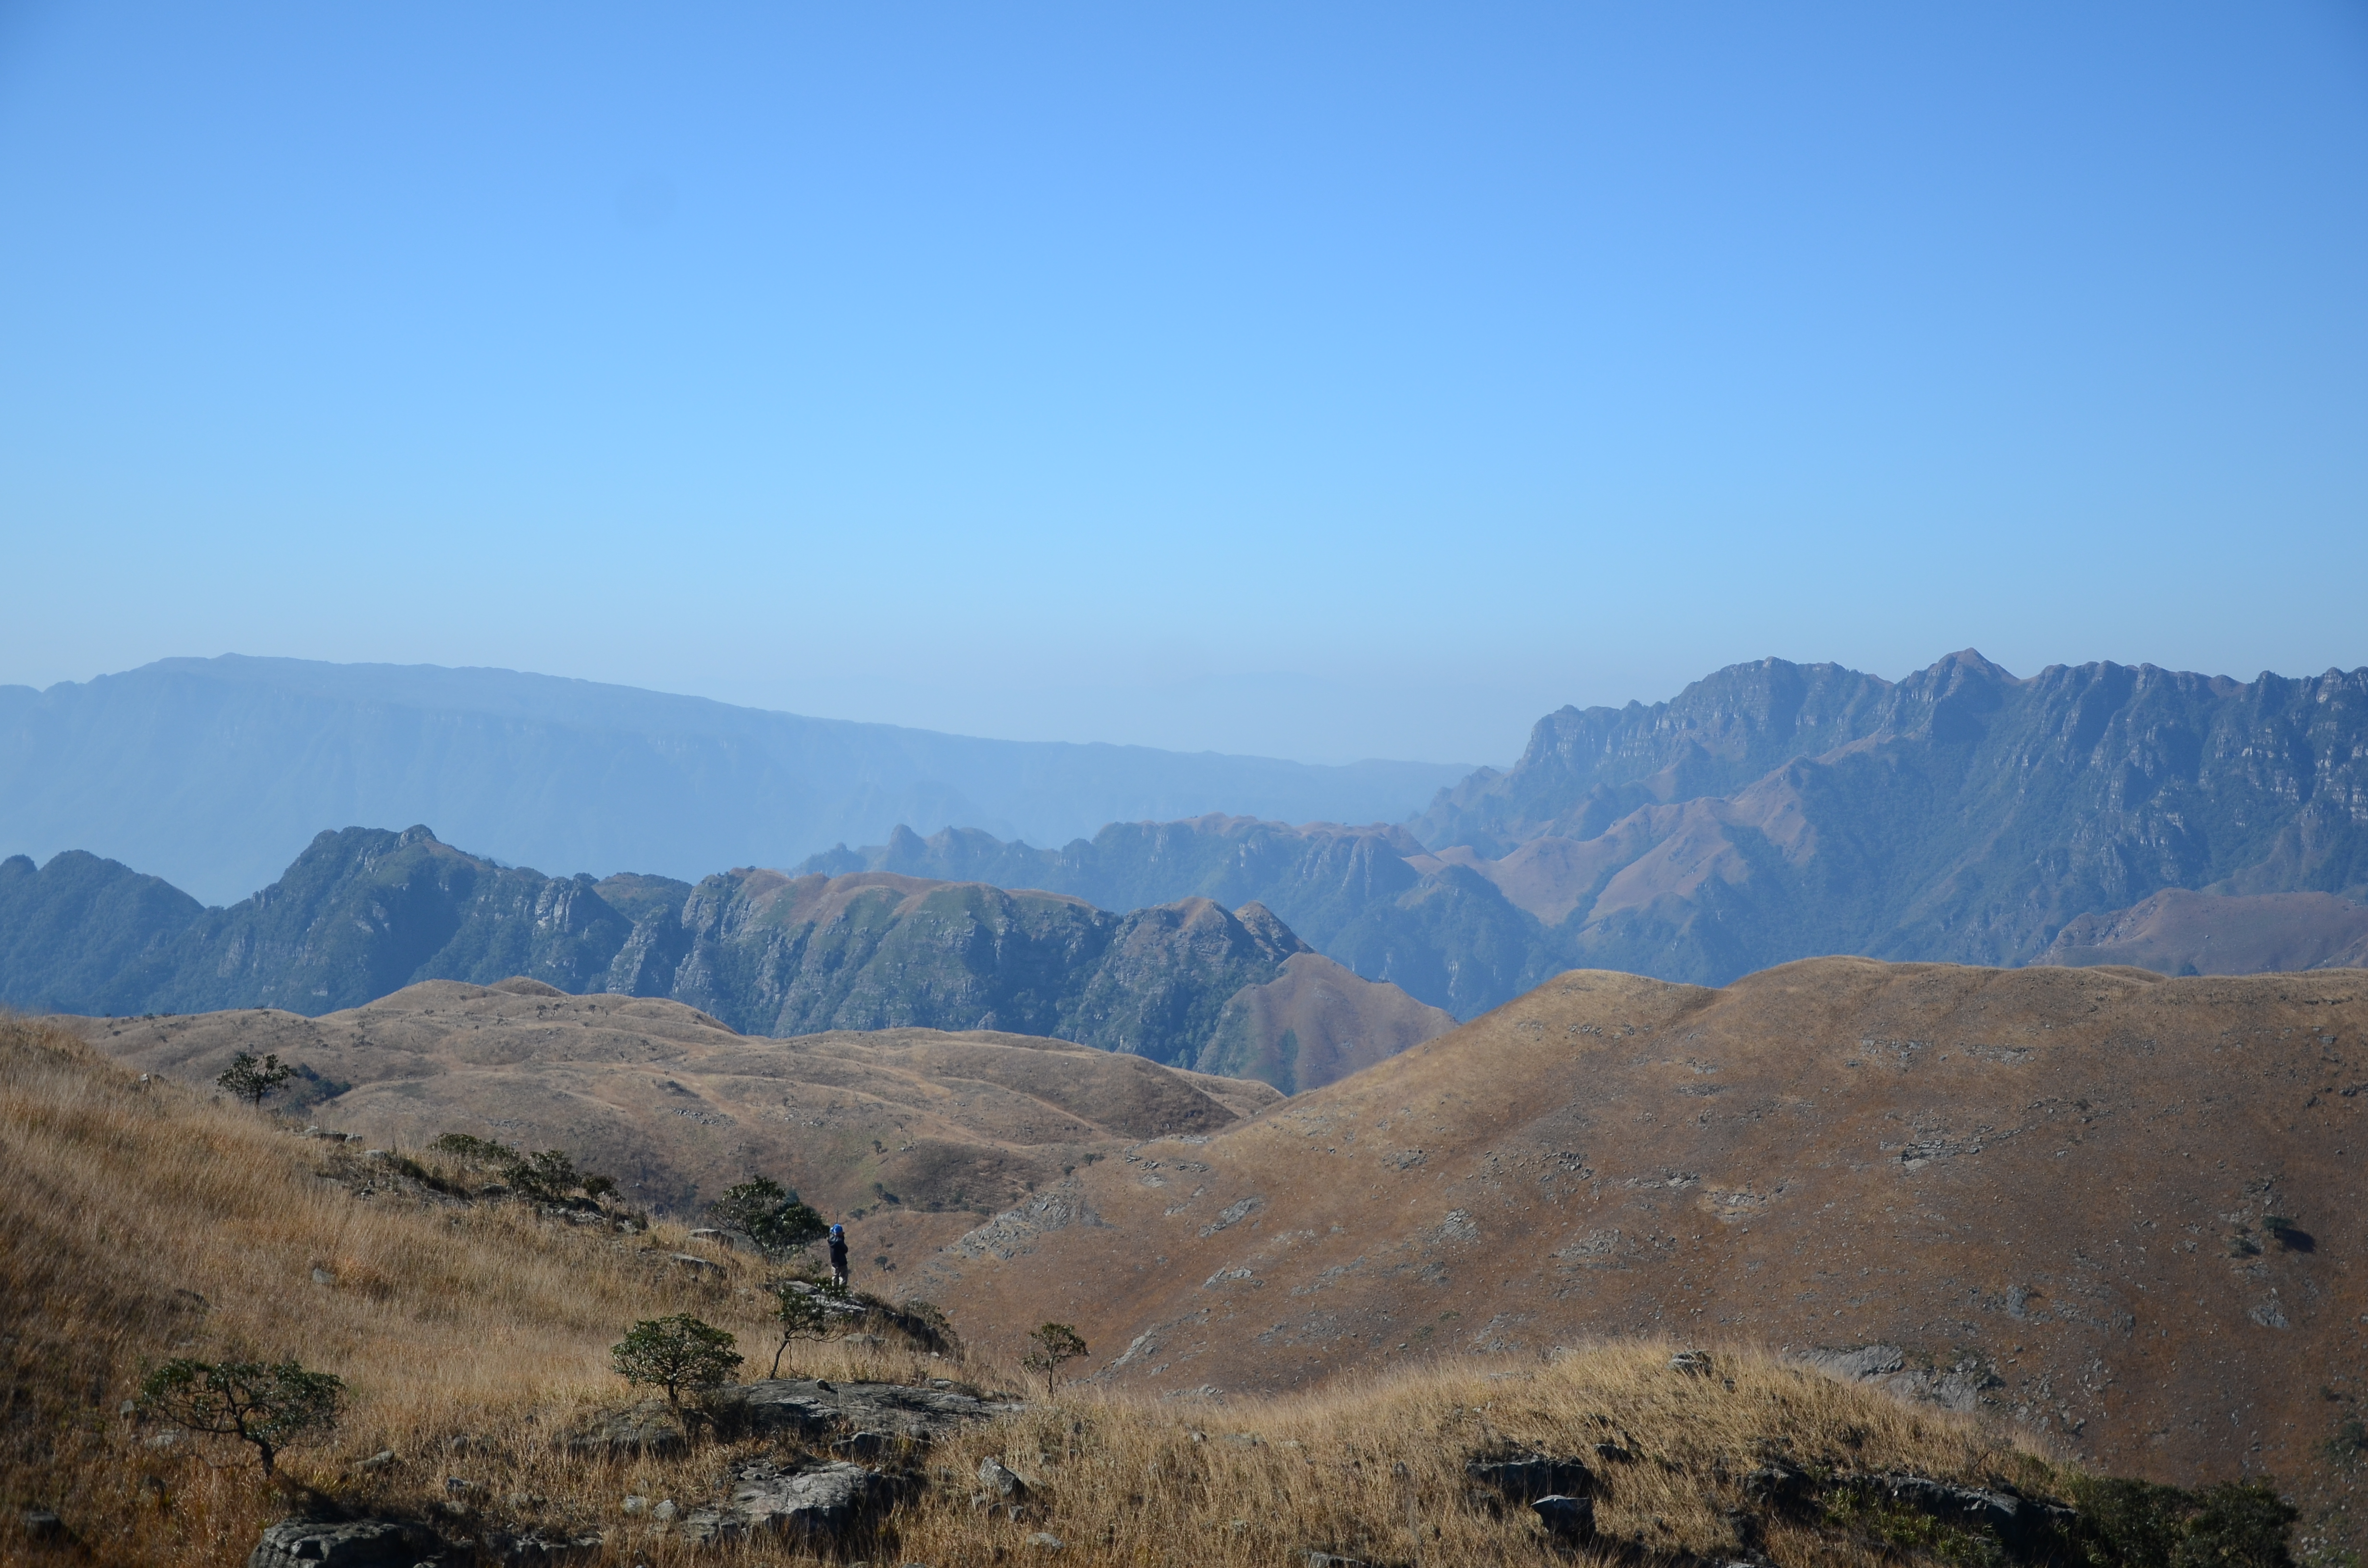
[210, 772]
[1447, 936]
[1774, 811]
[366, 912]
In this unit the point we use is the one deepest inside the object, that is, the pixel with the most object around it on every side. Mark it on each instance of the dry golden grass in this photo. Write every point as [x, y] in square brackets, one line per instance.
[473, 1338]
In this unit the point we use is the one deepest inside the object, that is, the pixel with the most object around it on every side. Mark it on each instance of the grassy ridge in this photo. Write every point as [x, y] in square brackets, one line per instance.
[144, 1221]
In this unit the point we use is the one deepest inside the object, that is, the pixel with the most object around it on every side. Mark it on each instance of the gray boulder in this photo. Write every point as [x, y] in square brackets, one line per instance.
[1525, 1477]
[1567, 1518]
[359, 1543]
[1003, 1483]
[817, 1504]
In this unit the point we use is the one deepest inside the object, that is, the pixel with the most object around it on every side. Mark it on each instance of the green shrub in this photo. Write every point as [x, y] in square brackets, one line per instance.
[768, 1214]
[2140, 1523]
[251, 1079]
[269, 1407]
[548, 1176]
[675, 1353]
[1056, 1343]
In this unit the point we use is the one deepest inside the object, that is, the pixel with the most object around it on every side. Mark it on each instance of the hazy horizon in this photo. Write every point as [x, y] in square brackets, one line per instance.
[1345, 382]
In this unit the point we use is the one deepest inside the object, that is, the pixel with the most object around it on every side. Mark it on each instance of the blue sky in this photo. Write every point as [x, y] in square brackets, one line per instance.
[1321, 381]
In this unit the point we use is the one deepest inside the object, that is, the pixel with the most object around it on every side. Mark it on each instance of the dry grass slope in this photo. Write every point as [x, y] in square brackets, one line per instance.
[144, 1221]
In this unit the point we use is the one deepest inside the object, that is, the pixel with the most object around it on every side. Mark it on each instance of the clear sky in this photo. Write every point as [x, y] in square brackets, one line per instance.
[1318, 379]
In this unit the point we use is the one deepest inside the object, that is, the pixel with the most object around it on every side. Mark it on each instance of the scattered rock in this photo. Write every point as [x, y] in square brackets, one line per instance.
[665, 1512]
[1851, 1366]
[1567, 1518]
[696, 1263]
[359, 1543]
[1045, 1540]
[636, 1505]
[1776, 1485]
[1525, 1477]
[533, 1549]
[1695, 1363]
[40, 1524]
[379, 1460]
[1327, 1559]
[1003, 1483]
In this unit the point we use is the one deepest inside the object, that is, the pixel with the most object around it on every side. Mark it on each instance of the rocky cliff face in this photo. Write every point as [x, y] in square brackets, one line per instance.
[364, 912]
[1774, 811]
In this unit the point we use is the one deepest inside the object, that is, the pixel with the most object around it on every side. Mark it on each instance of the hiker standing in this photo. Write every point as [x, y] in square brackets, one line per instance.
[838, 1256]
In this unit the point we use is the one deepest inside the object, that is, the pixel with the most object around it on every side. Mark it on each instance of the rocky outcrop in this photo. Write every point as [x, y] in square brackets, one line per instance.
[357, 1543]
[817, 1410]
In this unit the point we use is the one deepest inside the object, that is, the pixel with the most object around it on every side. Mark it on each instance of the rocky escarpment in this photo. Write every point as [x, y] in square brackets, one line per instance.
[364, 912]
[1775, 811]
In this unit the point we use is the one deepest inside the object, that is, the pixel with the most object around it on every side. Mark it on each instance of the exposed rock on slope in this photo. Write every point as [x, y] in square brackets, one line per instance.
[922, 1133]
[1774, 811]
[364, 912]
[2120, 1211]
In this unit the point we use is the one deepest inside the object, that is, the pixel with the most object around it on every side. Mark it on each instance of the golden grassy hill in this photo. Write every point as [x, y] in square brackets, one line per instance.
[143, 1220]
[2123, 1212]
[913, 1135]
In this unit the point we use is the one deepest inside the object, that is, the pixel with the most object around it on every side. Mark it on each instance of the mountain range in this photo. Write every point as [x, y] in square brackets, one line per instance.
[213, 772]
[1774, 810]
[364, 912]
[1770, 812]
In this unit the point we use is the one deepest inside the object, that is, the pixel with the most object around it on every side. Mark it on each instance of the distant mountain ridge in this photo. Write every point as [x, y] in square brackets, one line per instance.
[1774, 811]
[208, 771]
[365, 912]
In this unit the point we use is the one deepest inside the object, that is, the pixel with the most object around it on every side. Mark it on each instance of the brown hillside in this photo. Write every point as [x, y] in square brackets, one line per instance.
[2047, 1194]
[144, 1219]
[1316, 1023]
[676, 1107]
[2179, 932]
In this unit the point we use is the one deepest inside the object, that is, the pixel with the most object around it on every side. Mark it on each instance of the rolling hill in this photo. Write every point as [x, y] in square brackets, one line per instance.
[2123, 1213]
[921, 1133]
[484, 1420]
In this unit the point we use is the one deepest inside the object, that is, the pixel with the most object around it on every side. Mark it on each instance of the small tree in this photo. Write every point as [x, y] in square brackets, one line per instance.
[800, 1311]
[768, 1214]
[251, 1079]
[1056, 1343]
[548, 1176]
[675, 1353]
[268, 1406]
